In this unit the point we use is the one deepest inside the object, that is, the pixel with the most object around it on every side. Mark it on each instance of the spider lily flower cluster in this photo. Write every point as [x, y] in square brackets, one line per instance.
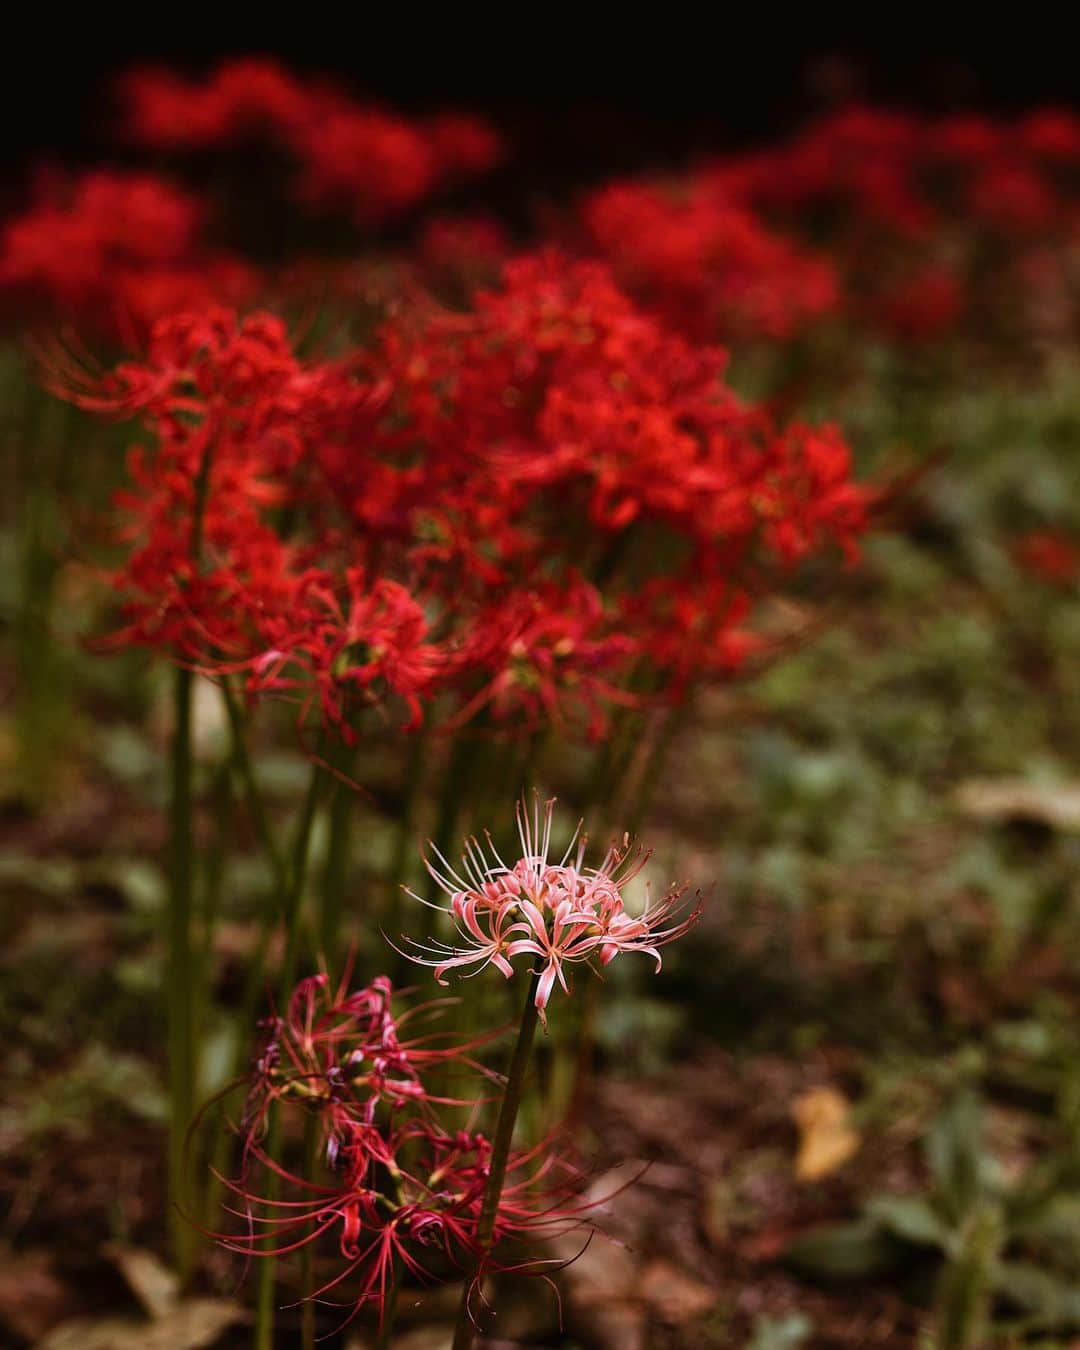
[914, 228]
[114, 251]
[400, 1192]
[368, 159]
[556, 914]
[404, 522]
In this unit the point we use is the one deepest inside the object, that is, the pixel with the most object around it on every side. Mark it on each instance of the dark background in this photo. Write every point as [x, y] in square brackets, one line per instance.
[575, 100]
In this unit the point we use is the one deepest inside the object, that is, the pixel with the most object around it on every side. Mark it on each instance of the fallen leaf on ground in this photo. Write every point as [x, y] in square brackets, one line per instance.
[674, 1296]
[192, 1325]
[32, 1296]
[826, 1138]
[996, 799]
[149, 1279]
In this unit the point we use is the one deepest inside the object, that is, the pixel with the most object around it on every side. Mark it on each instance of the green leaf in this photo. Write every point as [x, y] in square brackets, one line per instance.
[911, 1218]
[781, 1333]
[1054, 1302]
[966, 1280]
[845, 1251]
[953, 1153]
[1056, 1225]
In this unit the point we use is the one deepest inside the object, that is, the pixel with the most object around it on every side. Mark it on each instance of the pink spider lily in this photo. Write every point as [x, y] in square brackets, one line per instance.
[560, 913]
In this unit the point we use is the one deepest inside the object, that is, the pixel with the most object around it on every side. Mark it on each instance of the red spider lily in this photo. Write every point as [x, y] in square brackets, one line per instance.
[705, 263]
[368, 159]
[466, 516]
[401, 1192]
[548, 649]
[411, 1208]
[559, 393]
[376, 636]
[234, 415]
[560, 913]
[917, 213]
[557, 410]
[114, 251]
[343, 1054]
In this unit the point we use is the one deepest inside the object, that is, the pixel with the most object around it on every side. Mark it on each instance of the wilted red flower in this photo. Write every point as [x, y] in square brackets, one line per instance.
[402, 1194]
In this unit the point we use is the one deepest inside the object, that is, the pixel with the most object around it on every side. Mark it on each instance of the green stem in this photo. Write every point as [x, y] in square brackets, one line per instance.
[181, 970]
[291, 914]
[465, 1329]
[307, 1256]
[401, 862]
[252, 796]
[292, 910]
[335, 878]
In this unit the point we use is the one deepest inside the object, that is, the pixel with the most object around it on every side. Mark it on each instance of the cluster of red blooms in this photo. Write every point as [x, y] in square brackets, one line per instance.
[402, 1193]
[910, 173]
[213, 575]
[925, 221]
[706, 263]
[114, 251]
[367, 159]
[544, 507]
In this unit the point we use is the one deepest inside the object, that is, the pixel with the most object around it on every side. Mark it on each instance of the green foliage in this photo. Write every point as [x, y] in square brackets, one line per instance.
[1010, 1246]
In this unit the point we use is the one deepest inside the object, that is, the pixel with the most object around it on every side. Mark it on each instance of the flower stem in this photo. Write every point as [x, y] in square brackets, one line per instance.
[182, 966]
[183, 969]
[465, 1329]
[253, 797]
[307, 1256]
[291, 913]
[335, 876]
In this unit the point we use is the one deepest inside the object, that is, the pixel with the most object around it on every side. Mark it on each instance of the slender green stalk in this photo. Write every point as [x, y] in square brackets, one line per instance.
[182, 966]
[252, 796]
[404, 843]
[291, 914]
[292, 910]
[459, 777]
[307, 1256]
[183, 971]
[465, 1329]
[202, 1194]
[335, 877]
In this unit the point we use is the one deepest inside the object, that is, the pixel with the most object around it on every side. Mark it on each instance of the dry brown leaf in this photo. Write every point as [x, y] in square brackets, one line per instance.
[155, 1286]
[826, 1137]
[996, 799]
[33, 1297]
[193, 1325]
[674, 1296]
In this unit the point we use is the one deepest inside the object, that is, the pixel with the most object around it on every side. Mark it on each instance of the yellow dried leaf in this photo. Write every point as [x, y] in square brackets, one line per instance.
[826, 1137]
